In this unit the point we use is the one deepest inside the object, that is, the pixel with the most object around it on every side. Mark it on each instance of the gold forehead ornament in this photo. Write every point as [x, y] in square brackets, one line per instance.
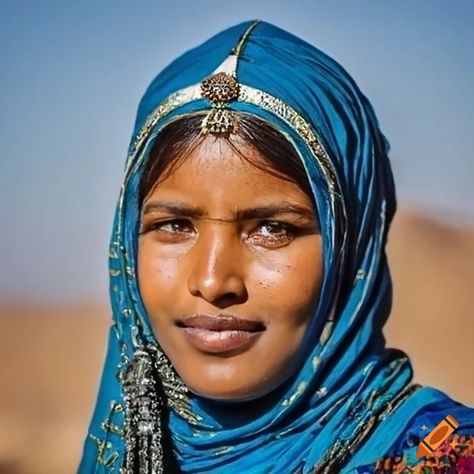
[220, 89]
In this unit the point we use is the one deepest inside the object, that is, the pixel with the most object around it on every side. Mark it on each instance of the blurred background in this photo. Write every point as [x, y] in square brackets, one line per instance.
[71, 76]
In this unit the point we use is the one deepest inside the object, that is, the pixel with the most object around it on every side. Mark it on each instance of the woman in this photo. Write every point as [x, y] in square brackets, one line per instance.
[249, 282]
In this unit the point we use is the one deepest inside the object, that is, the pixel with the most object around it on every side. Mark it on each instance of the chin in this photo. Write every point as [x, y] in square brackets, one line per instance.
[235, 395]
[227, 380]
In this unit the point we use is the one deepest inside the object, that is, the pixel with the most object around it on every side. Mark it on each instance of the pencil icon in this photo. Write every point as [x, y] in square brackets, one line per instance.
[436, 436]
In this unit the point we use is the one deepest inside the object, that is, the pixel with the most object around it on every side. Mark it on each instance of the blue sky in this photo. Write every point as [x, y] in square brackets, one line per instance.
[72, 73]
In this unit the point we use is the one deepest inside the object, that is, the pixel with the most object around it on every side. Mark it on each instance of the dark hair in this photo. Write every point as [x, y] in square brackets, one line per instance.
[180, 137]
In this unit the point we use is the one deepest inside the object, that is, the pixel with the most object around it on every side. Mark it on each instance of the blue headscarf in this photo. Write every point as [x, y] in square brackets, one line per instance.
[348, 386]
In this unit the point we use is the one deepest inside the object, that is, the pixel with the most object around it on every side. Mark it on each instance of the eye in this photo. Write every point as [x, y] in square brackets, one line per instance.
[274, 228]
[171, 226]
[274, 233]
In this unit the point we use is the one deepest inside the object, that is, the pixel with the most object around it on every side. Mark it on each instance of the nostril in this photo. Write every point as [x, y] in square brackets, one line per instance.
[228, 299]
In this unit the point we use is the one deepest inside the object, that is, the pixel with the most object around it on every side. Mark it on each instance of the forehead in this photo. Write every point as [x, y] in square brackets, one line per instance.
[218, 172]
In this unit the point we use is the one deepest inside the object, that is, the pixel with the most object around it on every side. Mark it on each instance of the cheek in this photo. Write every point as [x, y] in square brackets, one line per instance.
[158, 275]
[289, 282]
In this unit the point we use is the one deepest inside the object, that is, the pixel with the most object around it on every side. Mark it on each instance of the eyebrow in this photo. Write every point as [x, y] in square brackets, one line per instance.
[258, 212]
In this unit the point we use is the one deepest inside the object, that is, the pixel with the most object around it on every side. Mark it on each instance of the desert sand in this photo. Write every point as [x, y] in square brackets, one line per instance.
[52, 356]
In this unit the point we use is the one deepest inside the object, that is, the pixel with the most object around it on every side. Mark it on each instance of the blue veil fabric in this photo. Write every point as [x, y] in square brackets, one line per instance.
[351, 397]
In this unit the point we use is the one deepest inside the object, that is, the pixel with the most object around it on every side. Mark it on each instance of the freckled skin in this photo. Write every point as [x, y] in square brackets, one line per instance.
[253, 269]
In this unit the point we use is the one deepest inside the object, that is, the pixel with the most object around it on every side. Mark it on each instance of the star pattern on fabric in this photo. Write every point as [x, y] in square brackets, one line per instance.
[424, 427]
[322, 391]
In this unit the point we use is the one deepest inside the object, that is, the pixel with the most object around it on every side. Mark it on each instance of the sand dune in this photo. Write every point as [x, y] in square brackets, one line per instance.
[52, 357]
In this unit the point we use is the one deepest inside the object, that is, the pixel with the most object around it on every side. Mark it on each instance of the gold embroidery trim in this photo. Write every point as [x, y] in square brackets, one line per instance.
[249, 95]
[237, 51]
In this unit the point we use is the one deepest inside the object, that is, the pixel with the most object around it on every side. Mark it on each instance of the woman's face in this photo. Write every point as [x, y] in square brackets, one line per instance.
[229, 269]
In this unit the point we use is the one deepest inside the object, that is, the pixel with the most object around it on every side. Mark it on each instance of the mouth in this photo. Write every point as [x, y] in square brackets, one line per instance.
[220, 333]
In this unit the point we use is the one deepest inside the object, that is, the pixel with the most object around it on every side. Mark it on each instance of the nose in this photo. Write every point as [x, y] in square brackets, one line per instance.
[217, 273]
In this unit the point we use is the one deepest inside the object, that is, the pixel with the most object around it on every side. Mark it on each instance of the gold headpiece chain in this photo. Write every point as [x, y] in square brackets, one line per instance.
[220, 88]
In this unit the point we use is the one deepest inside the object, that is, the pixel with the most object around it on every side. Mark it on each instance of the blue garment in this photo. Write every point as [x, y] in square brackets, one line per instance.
[351, 399]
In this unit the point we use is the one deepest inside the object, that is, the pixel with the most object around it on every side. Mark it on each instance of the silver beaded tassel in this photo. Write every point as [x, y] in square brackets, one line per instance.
[143, 410]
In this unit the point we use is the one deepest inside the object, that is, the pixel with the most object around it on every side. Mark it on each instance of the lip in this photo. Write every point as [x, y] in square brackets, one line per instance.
[220, 333]
[217, 342]
[222, 322]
